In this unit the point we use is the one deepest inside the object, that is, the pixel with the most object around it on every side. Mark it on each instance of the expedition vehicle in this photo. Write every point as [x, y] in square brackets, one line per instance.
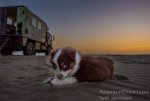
[21, 29]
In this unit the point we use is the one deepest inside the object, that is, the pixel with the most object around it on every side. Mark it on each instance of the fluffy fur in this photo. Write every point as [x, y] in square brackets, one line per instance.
[71, 67]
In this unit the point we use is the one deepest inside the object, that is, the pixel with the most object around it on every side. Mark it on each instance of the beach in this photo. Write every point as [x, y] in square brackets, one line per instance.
[21, 79]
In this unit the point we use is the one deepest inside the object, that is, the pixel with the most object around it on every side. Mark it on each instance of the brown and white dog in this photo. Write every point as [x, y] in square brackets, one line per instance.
[71, 67]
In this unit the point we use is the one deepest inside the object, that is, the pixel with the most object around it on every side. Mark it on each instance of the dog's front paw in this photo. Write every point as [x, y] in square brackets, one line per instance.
[48, 80]
[55, 81]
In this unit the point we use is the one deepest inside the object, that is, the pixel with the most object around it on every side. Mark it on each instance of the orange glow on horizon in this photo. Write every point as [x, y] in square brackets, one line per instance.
[115, 44]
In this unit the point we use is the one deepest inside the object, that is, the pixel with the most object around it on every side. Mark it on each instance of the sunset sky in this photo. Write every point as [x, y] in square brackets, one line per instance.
[95, 26]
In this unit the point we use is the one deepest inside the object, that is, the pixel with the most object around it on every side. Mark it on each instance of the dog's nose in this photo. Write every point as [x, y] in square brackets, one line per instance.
[60, 76]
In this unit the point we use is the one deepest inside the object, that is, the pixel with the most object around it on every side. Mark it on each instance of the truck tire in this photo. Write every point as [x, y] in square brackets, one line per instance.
[48, 50]
[29, 49]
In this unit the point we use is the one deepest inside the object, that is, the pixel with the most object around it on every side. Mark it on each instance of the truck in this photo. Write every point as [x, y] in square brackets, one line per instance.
[21, 29]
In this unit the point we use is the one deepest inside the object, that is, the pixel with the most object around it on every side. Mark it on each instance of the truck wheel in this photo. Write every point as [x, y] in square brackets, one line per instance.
[48, 50]
[6, 51]
[29, 49]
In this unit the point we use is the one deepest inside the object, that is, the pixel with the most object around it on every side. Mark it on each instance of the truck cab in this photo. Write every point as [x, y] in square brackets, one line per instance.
[21, 29]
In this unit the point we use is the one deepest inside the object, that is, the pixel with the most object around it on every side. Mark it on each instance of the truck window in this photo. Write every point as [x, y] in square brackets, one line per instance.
[9, 21]
[34, 21]
[39, 25]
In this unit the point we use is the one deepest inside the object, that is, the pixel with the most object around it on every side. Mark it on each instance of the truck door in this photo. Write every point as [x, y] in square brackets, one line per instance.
[21, 20]
[3, 16]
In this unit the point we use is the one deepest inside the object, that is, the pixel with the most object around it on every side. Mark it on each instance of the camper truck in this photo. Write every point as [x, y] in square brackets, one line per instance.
[21, 29]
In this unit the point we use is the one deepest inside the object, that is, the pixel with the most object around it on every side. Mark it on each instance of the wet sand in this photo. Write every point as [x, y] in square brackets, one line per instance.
[21, 79]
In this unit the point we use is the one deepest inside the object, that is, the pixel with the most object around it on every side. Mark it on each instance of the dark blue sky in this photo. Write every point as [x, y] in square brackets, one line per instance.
[67, 13]
[94, 25]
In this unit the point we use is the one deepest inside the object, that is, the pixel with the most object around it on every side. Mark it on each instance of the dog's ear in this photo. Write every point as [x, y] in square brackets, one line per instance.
[71, 53]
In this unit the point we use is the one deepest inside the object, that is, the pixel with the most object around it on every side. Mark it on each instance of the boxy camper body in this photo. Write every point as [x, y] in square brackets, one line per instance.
[20, 29]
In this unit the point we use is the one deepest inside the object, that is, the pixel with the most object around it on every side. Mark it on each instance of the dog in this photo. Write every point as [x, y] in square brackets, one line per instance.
[72, 67]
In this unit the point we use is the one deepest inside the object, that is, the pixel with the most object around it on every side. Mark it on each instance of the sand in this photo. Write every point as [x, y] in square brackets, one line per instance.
[21, 79]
